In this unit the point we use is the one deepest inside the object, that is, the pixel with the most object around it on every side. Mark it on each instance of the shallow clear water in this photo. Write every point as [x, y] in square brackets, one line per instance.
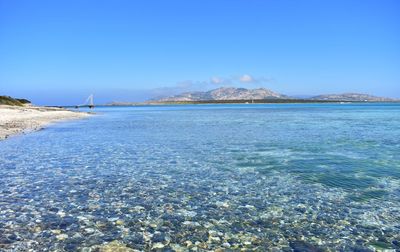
[302, 177]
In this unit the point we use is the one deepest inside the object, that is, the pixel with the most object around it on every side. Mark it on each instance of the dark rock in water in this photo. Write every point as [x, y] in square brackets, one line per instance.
[115, 233]
[237, 226]
[301, 246]
[300, 209]
[72, 245]
[168, 249]
[381, 244]
[359, 241]
[13, 237]
[202, 236]
[108, 237]
[133, 239]
[51, 221]
[53, 209]
[66, 221]
[361, 249]
[74, 228]
[5, 240]
[286, 249]
[46, 235]
[158, 237]
[105, 226]
[175, 220]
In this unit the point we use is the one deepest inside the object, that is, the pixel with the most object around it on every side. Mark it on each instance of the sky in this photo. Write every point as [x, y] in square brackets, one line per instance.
[59, 52]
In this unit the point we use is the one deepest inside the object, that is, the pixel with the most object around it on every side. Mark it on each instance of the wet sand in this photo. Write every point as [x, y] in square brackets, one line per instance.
[16, 120]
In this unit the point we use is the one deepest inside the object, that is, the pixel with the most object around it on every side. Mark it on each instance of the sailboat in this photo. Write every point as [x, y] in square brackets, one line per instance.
[88, 102]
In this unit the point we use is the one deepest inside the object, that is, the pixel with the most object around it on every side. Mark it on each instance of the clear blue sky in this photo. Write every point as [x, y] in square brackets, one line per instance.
[58, 52]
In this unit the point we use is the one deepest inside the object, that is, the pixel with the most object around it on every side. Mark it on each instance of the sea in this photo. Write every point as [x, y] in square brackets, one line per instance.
[227, 177]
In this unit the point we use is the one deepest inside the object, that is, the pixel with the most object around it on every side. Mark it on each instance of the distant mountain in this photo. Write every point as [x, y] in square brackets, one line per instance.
[351, 97]
[7, 100]
[258, 95]
[224, 93]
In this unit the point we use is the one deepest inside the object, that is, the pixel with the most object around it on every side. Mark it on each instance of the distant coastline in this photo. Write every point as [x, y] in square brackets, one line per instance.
[231, 95]
[264, 101]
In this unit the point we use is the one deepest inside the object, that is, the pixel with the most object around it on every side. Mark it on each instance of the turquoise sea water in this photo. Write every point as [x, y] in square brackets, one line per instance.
[286, 177]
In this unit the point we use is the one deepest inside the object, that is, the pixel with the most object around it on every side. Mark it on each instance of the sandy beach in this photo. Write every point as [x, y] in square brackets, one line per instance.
[16, 120]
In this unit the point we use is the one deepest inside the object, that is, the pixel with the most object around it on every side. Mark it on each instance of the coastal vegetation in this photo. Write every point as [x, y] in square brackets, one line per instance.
[7, 100]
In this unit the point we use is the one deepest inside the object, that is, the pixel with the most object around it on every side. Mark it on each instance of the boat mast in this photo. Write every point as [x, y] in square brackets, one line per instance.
[90, 101]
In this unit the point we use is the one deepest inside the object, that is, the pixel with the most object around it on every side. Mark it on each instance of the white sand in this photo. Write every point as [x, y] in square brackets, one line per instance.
[16, 120]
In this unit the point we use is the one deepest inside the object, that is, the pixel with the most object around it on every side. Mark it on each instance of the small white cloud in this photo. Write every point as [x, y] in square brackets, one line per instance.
[246, 79]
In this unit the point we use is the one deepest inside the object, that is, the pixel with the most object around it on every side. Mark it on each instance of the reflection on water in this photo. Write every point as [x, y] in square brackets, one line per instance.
[172, 178]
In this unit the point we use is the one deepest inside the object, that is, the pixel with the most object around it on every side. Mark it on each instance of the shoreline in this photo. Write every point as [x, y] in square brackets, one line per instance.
[15, 120]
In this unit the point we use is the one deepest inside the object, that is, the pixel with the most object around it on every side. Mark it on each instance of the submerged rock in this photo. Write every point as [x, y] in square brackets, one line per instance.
[115, 246]
[302, 246]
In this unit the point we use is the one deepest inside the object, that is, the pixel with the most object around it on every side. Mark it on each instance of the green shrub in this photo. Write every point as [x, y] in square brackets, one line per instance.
[7, 100]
